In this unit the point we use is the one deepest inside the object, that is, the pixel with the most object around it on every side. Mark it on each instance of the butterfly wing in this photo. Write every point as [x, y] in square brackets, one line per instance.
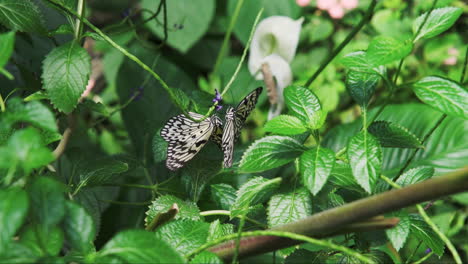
[229, 134]
[186, 138]
[217, 135]
[235, 119]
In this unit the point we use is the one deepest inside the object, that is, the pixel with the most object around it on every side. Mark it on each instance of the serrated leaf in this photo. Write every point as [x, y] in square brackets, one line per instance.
[184, 235]
[361, 86]
[342, 176]
[44, 243]
[305, 105]
[206, 257]
[383, 50]
[47, 201]
[439, 20]
[365, 157]
[443, 94]
[392, 135]
[400, 232]
[288, 207]
[79, 228]
[65, 75]
[21, 15]
[285, 125]
[223, 195]
[218, 230]
[187, 209]
[138, 246]
[7, 41]
[99, 171]
[424, 233]
[269, 153]
[33, 112]
[358, 61]
[25, 149]
[316, 165]
[253, 192]
[14, 206]
[415, 175]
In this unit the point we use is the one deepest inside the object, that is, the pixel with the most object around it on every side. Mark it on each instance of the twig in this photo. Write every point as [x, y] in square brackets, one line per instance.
[269, 83]
[58, 151]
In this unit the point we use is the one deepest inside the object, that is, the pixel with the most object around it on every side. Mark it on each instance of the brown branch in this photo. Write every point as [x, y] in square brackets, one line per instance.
[328, 223]
[58, 151]
[269, 83]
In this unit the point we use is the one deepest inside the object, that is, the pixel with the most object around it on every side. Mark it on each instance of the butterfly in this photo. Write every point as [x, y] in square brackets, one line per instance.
[234, 121]
[186, 137]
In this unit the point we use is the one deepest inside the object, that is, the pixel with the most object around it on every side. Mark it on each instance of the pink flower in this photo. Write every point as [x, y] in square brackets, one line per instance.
[450, 61]
[349, 4]
[326, 4]
[453, 51]
[336, 8]
[302, 2]
[336, 12]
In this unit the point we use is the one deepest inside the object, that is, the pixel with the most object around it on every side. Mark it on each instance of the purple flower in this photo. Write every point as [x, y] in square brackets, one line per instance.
[218, 97]
[428, 250]
[219, 107]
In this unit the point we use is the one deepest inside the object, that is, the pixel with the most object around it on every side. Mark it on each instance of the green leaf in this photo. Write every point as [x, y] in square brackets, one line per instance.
[383, 50]
[365, 157]
[439, 20]
[33, 112]
[187, 21]
[424, 233]
[415, 175]
[79, 228]
[18, 253]
[342, 176]
[223, 195]
[159, 147]
[25, 149]
[285, 125]
[270, 152]
[443, 94]
[392, 135]
[47, 201]
[305, 105]
[187, 209]
[43, 242]
[99, 171]
[361, 86]
[7, 43]
[400, 232]
[14, 206]
[218, 230]
[288, 207]
[358, 61]
[253, 192]
[316, 165]
[21, 15]
[184, 235]
[65, 75]
[138, 246]
[206, 257]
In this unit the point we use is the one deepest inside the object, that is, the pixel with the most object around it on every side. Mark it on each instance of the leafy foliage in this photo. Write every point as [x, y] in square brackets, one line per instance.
[83, 175]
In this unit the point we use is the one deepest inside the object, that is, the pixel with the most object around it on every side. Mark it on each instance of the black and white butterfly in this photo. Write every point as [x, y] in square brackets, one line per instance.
[186, 137]
[234, 121]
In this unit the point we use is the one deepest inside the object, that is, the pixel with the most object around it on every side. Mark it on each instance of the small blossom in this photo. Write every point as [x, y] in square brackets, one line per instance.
[450, 61]
[336, 12]
[336, 8]
[218, 97]
[302, 2]
[349, 4]
[428, 250]
[326, 4]
[218, 107]
[137, 93]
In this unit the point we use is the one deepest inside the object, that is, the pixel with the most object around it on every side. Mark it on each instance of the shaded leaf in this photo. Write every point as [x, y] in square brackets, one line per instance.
[270, 152]
[358, 61]
[383, 50]
[14, 206]
[223, 195]
[392, 135]
[285, 125]
[255, 191]
[361, 86]
[443, 94]
[21, 15]
[65, 75]
[305, 105]
[33, 112]
[365, 157]
[218, 230]
[439, 20]
[400, 232]
[187, 209]
[316, 165]
[415, 175]
[79, 228]
[288, 207]
[424, 233]
[7, 41]
[184, 235]
[40, 240]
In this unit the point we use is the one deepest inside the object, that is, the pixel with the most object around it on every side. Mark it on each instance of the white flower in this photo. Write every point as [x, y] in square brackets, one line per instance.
[274, 42]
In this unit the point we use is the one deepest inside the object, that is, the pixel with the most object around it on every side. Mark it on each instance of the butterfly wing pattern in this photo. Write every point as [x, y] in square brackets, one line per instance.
[234, 121]
[186, 137]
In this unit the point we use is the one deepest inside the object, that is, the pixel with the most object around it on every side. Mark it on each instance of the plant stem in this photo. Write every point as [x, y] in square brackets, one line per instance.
[227, 36]
[329, 222]
[58, 151]
[228, 213]
[244, 53]
[428, 220]
[365, 19]
[289, 236]
[78, 23]
[423, 258]
[414, 252]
